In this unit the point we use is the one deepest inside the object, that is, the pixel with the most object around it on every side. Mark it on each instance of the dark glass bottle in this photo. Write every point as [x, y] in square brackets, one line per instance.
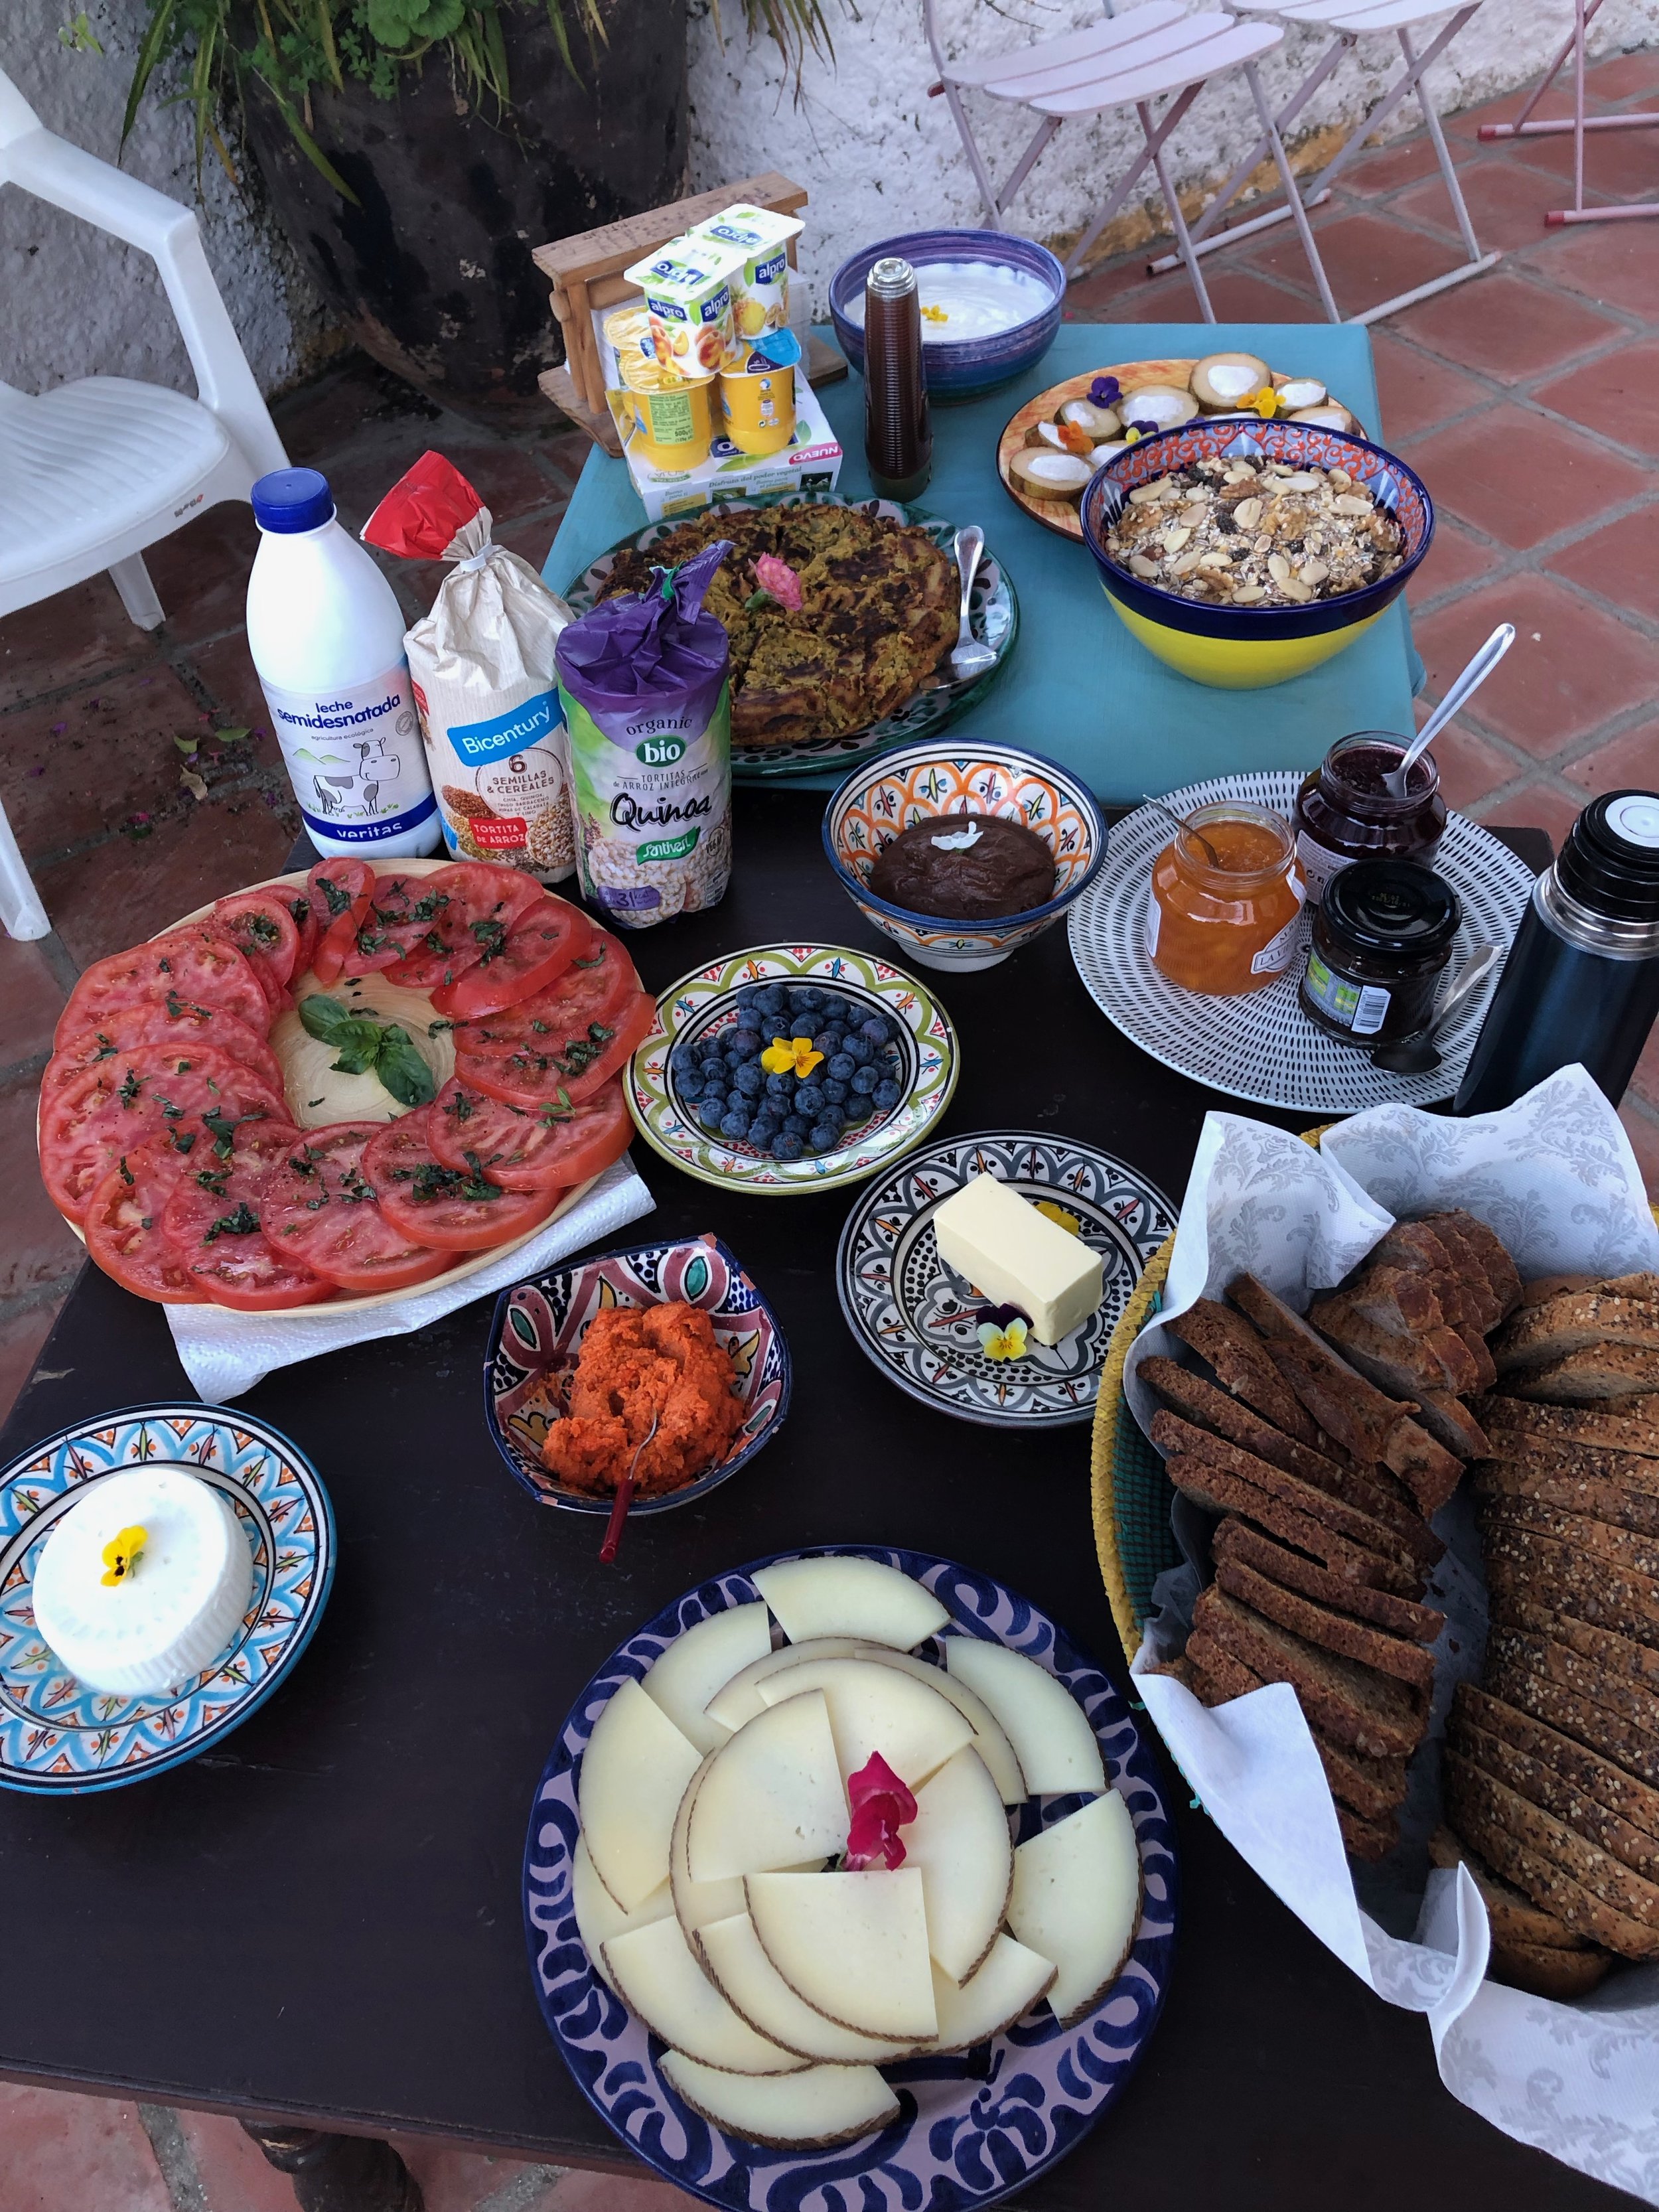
[898, 433]
[1582, 980]
[1345, 812]
[1381, 938]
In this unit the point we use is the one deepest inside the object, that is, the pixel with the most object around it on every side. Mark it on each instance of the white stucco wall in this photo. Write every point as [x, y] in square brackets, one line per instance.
[73, 302]
[880, 158]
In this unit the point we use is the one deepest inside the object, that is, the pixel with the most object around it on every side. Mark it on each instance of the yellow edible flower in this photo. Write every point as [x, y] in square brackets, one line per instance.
[1266, 402]
[121, 1553]
[790, 1057]
[1007, 1342]
[935, 315]
[1060, 1216]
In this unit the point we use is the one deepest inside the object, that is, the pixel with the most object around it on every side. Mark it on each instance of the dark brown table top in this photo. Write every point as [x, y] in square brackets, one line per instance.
[321, 1920]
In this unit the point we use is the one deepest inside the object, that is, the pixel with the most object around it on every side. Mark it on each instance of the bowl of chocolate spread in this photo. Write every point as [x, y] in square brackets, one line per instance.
[963, 856]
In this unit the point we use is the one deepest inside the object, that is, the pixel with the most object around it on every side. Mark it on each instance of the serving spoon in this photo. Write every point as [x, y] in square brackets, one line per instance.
[1460, 694]
[1187, 827]
[968, 657]
[1416, 1054]
[623, 1499]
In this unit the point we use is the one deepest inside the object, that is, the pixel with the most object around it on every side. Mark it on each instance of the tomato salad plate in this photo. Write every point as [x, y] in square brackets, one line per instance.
[340, 1085]
[792, 1068]
[850, 1786]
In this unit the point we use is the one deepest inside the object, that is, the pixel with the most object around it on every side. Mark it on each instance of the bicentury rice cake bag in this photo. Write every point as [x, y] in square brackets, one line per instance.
[647, 704]
[482, 663]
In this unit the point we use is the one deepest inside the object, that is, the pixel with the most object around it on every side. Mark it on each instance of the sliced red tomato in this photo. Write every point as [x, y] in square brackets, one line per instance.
[517, 959]
[321, 1208]
[200, 962]
[123, 1226]
[595, 985]
[192, 1100]
[169, 1020]
[303, 907]
[459, 1210]
[403, 912]
[261, 923]
[341, 890]
[212, 1221]
[529, 1147]
[574, 1064]
[487, 892]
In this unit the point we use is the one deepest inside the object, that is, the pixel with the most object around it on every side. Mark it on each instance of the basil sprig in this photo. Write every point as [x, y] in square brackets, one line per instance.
[365, 1046]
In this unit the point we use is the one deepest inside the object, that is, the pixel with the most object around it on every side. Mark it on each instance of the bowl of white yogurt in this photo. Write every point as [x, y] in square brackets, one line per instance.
[990, 304]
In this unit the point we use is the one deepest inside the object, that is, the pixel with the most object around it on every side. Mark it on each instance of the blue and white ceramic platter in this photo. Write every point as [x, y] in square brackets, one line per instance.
[973, 2128]
[57, 1739]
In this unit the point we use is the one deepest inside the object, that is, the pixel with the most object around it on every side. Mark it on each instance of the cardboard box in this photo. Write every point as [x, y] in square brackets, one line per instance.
[810, 462]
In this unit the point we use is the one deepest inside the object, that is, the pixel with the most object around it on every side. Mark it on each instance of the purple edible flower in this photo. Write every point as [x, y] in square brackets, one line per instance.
[1105, 391]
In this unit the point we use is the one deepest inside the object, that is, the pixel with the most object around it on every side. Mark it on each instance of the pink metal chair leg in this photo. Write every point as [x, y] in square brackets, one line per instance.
[1579, 124]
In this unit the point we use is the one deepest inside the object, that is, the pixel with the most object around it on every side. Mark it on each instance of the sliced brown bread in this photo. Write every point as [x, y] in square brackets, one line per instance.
[1631, 1425]
[1218, 1492]
[1597, 1777]
[1408, 1662]
[1429, 1471]
[1607, 1372]
[1363, 1839]
[1451, 1425]
[1372, 1788]
[1605, 1877]
[1621, 1655]
[1542, 1972]
[1586, 1584]
[1353, 1705]
[1486, 1247]
[1628, 1548]
[1361, 1416]
[1520, 1651]
[1515, 1918]
[1236, 1540]
[1644, 1284]
[1219, 1677]
[1171, 1434]
[1556, 1481]
[1575, 1320]
[1405, 1360]
[1208, 1407]
[1555, 1455]
[1475, 1812]
[1468, 1267]
[1240, 1359]
[1541, 1785]
[1572, 1714]
[1410, 1244]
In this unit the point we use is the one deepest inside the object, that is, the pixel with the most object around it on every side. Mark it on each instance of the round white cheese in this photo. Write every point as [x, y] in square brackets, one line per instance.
[177, 1606]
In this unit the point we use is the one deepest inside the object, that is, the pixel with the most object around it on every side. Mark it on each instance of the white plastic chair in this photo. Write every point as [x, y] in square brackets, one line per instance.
[95, 470]
[1123, 61]
[1348, 20]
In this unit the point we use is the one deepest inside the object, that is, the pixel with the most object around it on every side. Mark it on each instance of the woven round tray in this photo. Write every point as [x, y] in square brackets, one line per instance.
[1261, 1046]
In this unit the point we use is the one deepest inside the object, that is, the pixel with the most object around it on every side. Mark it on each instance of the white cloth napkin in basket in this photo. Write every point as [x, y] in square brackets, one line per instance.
[226, 1353]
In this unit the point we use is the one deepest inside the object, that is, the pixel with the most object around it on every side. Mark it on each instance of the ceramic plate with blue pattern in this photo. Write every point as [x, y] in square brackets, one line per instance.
[59, 1740]
[973, 2128]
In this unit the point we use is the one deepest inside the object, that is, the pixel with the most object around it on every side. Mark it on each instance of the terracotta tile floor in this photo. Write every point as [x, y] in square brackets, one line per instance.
[1525, 399]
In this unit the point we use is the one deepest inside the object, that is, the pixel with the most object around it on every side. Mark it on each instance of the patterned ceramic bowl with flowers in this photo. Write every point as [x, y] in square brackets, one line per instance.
[918, 783]
[536, 1340]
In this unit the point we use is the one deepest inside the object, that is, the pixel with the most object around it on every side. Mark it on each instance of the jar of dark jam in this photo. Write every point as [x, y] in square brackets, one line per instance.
[1381, 938]
[1344, 812]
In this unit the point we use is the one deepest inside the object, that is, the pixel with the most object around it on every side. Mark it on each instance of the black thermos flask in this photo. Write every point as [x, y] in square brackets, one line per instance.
[1582, 980]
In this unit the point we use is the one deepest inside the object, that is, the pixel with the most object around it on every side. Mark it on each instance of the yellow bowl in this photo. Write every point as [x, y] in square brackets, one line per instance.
[1235, 664]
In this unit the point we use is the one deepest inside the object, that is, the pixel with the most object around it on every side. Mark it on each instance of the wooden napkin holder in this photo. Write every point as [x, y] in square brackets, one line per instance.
[587, 274]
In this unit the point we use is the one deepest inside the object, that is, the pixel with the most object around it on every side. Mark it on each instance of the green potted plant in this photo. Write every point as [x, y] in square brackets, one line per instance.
[415, 151]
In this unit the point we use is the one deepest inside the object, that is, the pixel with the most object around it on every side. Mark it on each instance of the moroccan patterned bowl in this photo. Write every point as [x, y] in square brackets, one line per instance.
[536, 1340]
[1243, 648]
[918, 782]
[964, 370]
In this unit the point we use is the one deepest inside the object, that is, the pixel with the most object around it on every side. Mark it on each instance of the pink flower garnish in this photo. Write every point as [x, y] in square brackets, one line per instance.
[882, 1804]
[779, 579]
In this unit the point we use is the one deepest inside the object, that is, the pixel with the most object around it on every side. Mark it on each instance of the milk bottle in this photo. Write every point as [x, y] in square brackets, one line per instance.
[326, 634]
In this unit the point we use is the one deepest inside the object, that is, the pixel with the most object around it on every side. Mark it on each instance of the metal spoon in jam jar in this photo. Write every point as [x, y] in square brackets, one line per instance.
[1458, 697]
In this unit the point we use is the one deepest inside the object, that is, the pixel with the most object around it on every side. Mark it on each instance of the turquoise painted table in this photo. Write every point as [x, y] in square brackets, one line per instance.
[1077, 685]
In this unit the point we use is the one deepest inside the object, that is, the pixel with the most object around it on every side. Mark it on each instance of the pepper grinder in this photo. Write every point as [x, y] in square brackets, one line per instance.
[898, 433]
[1582, 980]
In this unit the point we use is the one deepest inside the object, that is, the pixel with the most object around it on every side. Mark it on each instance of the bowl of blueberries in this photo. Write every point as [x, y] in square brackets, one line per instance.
[793, 1067]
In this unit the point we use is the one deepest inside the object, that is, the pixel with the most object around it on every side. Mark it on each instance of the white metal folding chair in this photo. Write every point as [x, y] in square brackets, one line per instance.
[1349, 21]
[1578, 123]
[98, 468]
[1123, 61]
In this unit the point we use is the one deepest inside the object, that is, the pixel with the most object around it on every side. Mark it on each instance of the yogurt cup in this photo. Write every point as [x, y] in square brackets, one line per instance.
[688, 290]
[674, 419]
[760, 286]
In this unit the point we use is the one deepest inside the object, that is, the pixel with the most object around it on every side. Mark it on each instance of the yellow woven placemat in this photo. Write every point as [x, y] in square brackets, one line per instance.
[1131, 1494]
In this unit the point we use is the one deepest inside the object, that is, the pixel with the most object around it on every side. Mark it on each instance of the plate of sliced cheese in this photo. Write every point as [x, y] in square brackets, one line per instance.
[851, 1867]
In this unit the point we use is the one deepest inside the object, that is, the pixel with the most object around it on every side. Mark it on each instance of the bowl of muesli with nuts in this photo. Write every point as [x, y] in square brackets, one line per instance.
[1243, 553]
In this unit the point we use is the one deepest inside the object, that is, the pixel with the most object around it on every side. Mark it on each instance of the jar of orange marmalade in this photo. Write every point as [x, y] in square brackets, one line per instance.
[1223, 920]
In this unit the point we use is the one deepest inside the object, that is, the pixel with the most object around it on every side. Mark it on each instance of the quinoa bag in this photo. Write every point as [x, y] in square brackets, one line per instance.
[647, 707]
[482, 663]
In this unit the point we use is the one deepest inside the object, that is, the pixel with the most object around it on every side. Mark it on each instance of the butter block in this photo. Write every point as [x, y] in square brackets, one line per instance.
[1017, 1257]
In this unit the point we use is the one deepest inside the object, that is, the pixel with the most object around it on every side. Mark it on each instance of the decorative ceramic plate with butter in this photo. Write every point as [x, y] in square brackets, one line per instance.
[954, 2129]
[1104, 398]
[915, 1055]
[940, 1338]
[58, 1738]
